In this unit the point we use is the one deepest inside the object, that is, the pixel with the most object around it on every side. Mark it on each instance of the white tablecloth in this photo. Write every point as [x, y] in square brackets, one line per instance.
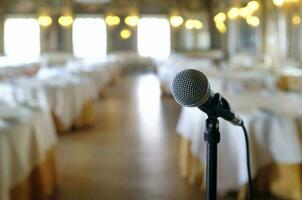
[54, 89]
[25, 137]
[234, 81]
[238, 81]
[11, 67]
[167, 70]
[99, 73]
[130, 59]
[274, 123]
[63, 90]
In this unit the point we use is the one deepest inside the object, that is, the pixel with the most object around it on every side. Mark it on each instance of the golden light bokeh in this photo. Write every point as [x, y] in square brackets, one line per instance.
[176, 21]
[278, 2]
[45, 20]
[132, 20]
[296, 20]
[292, 1]
[233, 13]
[125, 34]
[221, 27]
[253, 21]
[220, 17]
[253, 6]
[190, 24]
[112, 20]
[245, 12]
[198, 24]
[66, 20]
[193, 24]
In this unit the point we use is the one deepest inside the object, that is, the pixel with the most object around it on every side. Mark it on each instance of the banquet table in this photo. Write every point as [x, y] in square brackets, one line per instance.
[290, 79]
[222, 78]
[100, 73]
[11, 67]
[69, 97]
[274, 123]
[130, 61]
[242, 80]
[67, 91]
[27, 153]
[167, 71]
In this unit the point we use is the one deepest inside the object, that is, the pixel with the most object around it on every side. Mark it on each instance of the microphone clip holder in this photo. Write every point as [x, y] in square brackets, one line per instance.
[219, 107]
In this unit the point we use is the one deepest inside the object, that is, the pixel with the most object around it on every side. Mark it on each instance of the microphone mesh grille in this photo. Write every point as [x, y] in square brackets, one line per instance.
[190, 88]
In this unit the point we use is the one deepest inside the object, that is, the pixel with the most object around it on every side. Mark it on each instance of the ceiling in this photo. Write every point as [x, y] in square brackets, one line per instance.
[101, 6]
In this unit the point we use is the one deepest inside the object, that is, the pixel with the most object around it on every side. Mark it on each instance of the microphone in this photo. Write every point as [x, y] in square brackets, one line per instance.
[191, 88]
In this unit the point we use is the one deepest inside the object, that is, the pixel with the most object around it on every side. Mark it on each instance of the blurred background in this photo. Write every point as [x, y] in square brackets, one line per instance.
[86, 110]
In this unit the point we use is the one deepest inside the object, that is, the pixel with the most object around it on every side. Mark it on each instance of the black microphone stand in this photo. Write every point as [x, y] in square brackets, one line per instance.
[212, 137]
[217, 108]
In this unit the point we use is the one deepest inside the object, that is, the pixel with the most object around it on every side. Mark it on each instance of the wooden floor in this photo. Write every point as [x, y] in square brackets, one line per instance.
[131, 153]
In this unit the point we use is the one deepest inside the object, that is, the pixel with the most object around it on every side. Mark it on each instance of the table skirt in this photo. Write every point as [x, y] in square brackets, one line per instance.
[85, 119]
[40, 184]
[165, 91]
[281, 180]
[290, 83]
[283, 83]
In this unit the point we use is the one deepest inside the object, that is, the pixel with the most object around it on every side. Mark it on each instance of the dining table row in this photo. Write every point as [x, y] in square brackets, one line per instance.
[269, 100]
[38, 103]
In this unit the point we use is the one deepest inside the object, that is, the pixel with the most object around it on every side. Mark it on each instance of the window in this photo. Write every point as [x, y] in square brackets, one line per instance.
[89, 37]
[22, 38]
[153, 37]
[248, 38]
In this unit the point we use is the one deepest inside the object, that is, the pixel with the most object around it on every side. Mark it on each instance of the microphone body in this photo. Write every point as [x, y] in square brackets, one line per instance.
[191, 88]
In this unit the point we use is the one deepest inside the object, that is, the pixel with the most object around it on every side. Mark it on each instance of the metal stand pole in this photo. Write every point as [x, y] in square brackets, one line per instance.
[212, 137]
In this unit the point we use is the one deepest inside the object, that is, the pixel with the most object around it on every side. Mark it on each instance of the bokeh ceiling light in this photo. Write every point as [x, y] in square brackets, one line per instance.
[112, 20]
[221, 27]
[66, 20]
[176, 21]
[220, 17]
[244, 12]
[292, 1]
[253, 6]
[253, 21]
[296, 20]
[278, 2]
[233, 13]
[132, 20]
[125, 34]
[198, 24]
[190, 24]
[45, 20]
